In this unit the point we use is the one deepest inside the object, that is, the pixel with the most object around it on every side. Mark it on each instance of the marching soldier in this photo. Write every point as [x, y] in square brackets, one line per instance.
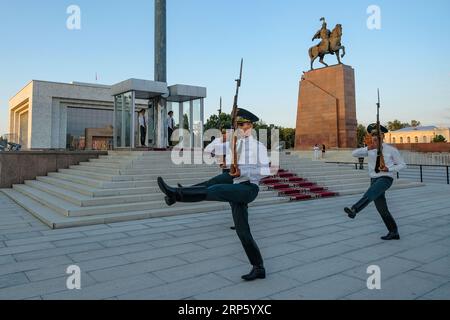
[239, 191]
[380, 182]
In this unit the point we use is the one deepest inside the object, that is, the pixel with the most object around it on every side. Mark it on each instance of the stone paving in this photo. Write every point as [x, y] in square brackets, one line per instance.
[312, 251]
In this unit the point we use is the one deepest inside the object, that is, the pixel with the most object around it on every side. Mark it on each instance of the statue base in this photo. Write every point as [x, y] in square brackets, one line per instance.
[327, 109]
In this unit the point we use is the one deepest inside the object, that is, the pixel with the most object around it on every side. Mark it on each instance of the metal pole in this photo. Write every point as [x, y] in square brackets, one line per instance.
[448, 177]
[133, 120]
[421, 174]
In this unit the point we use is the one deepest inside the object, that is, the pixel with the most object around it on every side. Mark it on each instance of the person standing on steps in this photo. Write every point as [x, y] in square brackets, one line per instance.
[170, 123]
[380, 182]
[243, 189]
[143, 127]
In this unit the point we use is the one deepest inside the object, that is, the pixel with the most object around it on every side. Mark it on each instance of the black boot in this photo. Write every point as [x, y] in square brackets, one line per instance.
[392, 235]
[351, 212]
[258, 272]
[168, 191]
[173, 195]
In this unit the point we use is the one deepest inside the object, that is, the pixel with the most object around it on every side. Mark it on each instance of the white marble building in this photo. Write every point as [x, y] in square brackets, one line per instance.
[45, 115]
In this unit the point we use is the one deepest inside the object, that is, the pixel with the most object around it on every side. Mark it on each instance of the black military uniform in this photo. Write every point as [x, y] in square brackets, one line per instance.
[239, 192]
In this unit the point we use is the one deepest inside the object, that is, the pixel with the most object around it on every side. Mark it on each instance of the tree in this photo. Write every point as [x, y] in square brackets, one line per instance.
[214, 122]
[186, 121]
[397, 125]
[361, 133]
[415, 123]
[286, 134]
[439, 138]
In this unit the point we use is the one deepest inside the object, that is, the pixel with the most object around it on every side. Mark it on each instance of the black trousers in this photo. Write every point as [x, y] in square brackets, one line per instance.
[169, 138]
[222, 188]
[143, 135]
[377, 194]
[239, 196]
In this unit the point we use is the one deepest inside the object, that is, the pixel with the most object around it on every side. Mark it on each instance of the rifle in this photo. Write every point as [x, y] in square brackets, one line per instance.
[234, 169]
[380, 158]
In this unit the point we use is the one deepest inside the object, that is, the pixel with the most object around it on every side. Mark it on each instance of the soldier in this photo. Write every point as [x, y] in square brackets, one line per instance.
[380, 182]
[239, 191]
[324, 34]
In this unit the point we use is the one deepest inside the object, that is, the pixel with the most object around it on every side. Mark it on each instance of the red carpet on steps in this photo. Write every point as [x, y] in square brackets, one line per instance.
[288, 184]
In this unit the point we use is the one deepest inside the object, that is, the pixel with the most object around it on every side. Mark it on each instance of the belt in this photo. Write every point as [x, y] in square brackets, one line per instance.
[382, 177]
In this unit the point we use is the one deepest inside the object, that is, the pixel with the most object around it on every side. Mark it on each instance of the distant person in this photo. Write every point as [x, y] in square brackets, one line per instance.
[142, 127]
[324, 151]
[170, 128]
[316, 152]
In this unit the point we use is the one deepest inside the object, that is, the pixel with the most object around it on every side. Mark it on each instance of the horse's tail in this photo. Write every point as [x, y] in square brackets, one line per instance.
[311, 55]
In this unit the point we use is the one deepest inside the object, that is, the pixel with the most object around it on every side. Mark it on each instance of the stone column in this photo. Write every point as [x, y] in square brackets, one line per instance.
[160, 69]
[160, 41]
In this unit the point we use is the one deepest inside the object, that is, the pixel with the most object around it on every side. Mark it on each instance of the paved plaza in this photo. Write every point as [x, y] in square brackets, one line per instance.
[312, 251]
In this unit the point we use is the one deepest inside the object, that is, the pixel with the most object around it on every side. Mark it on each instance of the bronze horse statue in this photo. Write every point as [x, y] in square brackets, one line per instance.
[330, 44]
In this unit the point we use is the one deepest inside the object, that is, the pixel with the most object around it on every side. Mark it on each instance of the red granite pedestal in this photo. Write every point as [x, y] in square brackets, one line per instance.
[327, 109]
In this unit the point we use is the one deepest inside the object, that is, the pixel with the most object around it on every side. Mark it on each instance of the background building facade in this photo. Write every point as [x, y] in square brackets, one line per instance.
[52, 115]
[417, 135]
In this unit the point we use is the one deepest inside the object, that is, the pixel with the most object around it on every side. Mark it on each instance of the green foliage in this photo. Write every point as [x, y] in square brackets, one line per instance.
[214, 122]
[286, 134]
[186, 121]
[361, 133]
[397, 125]
[439, 138]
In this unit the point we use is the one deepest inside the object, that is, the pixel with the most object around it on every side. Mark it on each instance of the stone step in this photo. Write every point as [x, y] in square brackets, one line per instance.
[86, 201]
[406, 185]
[333, 179]
[140, 175]
[99, 169]
[317, 168]
[83, 189]
[330, 175]
[149, 171]
[91, 175]
[77, 179]
[57, 221]
[123, 184]
[70, 209]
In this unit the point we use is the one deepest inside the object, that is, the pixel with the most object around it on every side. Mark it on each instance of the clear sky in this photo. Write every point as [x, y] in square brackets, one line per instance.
[408, 58]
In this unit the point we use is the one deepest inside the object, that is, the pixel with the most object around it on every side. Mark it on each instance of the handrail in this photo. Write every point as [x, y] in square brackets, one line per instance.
[421, 166]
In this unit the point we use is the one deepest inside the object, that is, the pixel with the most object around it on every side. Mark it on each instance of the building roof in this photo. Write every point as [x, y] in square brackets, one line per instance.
[414, 129]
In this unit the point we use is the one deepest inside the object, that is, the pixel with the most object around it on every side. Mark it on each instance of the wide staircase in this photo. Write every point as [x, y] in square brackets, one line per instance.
[342, 179]
[122, 186]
